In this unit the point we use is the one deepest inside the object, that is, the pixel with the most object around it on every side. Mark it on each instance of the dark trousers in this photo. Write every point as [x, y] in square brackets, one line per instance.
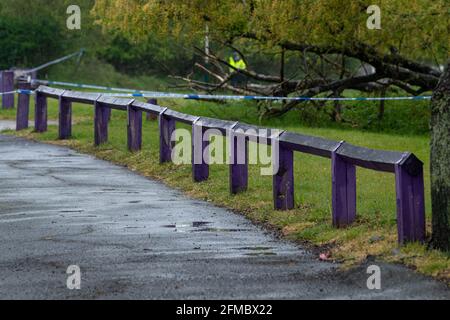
[239, 80]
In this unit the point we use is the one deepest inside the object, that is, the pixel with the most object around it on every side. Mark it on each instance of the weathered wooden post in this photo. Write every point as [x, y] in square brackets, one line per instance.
[200, 142]
[149, 115]
[343, 194]
[166, 129]
[100, 123]
[134, 128]
[238, 153]
[40, 112]
[410, 200]
[283, 179]
[1, 85]
[65, 118]
[23, 105]
[108, 114]
[7, 85]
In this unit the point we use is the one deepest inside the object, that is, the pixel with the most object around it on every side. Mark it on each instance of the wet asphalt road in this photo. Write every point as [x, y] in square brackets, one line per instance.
[11, 124]
[134, 238]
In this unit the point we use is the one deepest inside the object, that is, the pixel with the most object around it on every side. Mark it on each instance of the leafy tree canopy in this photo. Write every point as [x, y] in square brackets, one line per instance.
[417, 29]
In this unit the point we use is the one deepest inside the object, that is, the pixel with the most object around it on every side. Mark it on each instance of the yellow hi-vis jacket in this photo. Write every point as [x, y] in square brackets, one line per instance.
[237, 64]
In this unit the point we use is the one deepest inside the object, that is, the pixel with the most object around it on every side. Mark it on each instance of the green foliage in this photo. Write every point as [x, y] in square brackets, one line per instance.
[153, 55]
[400, 117]
[35, 32]
[417, 28]
[94, 71]
[27, 43]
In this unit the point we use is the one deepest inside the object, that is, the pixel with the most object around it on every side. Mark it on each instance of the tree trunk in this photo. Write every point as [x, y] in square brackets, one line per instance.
[382, 102]
[336, 114]
[440, 162]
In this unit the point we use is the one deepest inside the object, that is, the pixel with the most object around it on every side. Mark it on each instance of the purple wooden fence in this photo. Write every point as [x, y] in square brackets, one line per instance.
[343, 191]
[134, 128]
[200, 167]
[40, 112]
[65, 118]
[7, 85]
[238, 164]
[150, 116]
[344, 157]
[23, 106]
[283, 180]
[166, 130]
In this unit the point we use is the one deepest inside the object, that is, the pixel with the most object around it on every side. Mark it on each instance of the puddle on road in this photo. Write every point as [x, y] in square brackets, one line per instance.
[197, 224]
[85, 216]
[194, 224]
[63, 155]
[255, 254]
[201, 226]
[72, 211]
[255, 248]
[220, 230]
[258, 251]
[113, 190]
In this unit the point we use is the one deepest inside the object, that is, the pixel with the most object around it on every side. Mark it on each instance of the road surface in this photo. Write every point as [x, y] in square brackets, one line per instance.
[134, 238]
[11, 124]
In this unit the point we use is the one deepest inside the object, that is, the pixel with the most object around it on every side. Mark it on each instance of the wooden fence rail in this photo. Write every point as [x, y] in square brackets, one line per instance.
[344, 157]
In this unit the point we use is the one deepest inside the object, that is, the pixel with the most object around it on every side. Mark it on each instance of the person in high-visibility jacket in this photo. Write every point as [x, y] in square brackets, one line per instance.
[237, 78]
[237, 62]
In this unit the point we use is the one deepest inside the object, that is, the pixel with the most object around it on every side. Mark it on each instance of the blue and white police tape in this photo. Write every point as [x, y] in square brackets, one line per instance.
[86, 86]
[78, 54]
[161, 95]
[23, 91]
[167, 95]
[20, 91]
[9, 92]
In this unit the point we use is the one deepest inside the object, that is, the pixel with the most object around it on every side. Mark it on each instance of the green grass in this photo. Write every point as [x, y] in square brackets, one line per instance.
[311, 219]
[103, 73]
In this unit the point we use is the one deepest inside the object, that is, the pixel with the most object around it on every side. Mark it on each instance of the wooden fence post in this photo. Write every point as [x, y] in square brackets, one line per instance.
[410, 204]
[283, 180]
[100, 123]
[108, 114]
[343, 194]
[65, 118]
[150, 116]
[200, 167]
[40, 112]
[238, 153]
[7, 85]
[166, 129]
[134, 129]
[23, 106]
